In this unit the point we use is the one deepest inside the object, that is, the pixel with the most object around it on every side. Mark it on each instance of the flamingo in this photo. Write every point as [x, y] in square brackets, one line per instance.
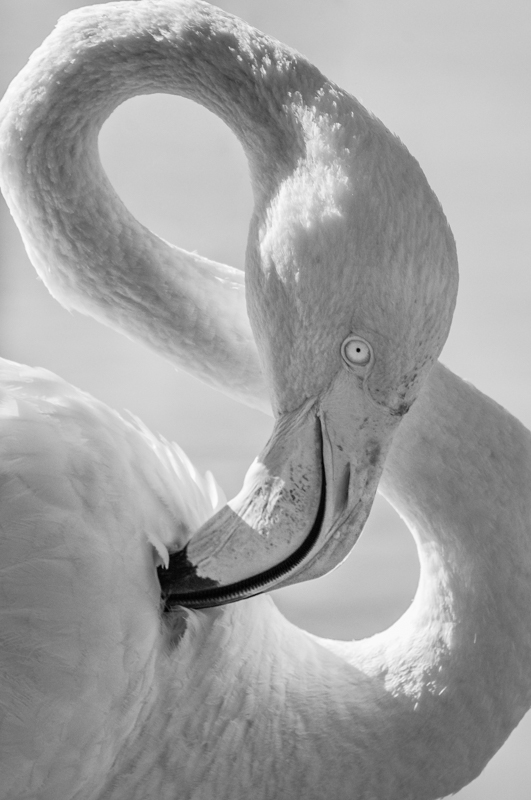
[351, 280]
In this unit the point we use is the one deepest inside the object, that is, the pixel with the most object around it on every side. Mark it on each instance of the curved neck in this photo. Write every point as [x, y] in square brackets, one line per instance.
[459, 472]
[416, 711]
[92, 254]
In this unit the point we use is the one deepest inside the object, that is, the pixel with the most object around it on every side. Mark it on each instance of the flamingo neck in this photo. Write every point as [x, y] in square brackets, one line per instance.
[458, 473]
[89, 250]
[416, 711]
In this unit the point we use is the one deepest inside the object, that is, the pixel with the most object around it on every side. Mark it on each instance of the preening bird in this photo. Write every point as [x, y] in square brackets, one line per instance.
[128, 668]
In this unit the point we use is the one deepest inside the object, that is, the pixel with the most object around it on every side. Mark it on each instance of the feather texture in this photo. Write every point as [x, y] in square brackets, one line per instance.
[89, 504]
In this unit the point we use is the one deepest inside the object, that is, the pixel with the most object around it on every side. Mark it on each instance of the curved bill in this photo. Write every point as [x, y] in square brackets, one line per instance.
[301, 509]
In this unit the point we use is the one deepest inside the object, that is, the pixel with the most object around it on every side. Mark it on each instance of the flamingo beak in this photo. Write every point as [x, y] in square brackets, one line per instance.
[302, 507]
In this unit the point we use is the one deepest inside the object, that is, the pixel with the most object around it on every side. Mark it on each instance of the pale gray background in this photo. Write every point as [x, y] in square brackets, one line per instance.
[452, 79]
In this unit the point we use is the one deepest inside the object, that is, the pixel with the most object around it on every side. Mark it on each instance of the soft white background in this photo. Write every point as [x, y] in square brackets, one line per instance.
[452, 80]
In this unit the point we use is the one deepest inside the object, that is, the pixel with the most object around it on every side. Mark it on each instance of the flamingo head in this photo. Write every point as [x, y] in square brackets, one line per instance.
[351, 285]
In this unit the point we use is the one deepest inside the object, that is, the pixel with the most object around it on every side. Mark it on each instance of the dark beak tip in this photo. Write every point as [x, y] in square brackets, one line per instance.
[180, 580]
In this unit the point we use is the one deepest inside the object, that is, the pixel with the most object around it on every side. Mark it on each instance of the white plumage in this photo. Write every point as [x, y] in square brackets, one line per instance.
[100, 696]
[88, 505]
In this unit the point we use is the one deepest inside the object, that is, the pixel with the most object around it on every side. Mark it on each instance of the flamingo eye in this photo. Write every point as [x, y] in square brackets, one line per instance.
[356, 352]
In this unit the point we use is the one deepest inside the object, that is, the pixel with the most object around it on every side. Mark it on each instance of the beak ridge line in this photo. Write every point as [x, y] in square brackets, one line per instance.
[205, 592]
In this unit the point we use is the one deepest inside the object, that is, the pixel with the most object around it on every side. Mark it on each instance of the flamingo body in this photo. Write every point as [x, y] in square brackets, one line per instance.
[88, 503]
